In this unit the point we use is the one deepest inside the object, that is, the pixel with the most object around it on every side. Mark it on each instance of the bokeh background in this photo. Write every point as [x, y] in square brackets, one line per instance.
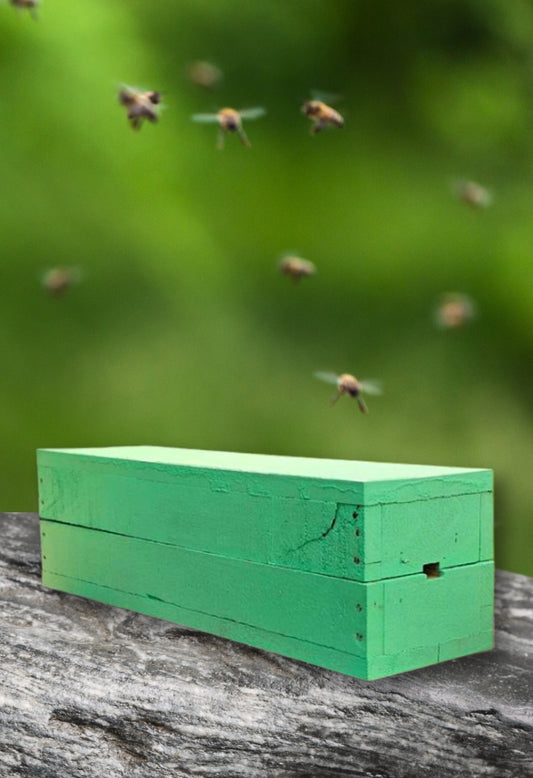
[182, 331]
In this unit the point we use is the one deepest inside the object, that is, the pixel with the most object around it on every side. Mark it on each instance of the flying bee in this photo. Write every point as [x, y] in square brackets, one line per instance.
[296, 268]
[58, 280]
[321, 115]
[204, 74]
[454, 311]
[229, 120]
[30, 5]
[141, 105]
[348, 384]
[473, 194]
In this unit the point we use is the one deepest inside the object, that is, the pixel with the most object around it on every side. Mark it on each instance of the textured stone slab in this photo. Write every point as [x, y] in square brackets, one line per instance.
[91, 690]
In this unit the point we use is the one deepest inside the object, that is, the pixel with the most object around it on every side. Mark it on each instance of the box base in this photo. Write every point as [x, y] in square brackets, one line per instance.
[351, 627]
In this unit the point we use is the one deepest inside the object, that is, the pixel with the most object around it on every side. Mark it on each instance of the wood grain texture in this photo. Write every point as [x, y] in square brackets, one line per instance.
[90, 690]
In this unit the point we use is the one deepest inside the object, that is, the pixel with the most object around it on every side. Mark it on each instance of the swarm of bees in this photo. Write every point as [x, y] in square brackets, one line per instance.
[296, 268]
[454, 311]
[350, 385]
[229, 120]
[144, 104]
[58, 280]
[140, 105]
[28, 5]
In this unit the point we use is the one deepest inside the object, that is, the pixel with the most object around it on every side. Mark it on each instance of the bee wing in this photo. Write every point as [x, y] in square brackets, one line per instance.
[76, 274]
[371, 387]
[205, 118]
[438, 317]
[471, 307]
[487, 198]
[329, 378]
[130, 89]
[455, 185]
[252, 113]
[484, 197]
[325, 97]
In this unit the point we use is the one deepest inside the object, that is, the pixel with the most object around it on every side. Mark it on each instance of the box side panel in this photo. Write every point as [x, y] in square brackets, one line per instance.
[183, 512]
[421, 611]
[374, 609]
[315, 536]
[271, 483]
[399, 539]
[415, 658]
[295, 648]
[226, 514]
[392, 664]
[431, 620]
[420, 488]
[486, 527]
[473, 644]
[314, 608]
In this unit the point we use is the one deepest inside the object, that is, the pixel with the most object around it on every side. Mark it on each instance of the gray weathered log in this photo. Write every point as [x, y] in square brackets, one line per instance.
[90, 690]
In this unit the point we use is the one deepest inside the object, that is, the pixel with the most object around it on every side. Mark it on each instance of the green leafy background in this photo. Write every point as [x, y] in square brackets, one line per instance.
[182, 332]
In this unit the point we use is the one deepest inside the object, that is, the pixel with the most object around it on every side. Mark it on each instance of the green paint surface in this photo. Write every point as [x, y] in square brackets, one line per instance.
[266, 464]
[277, 517]
[345, 625]
[319, 560]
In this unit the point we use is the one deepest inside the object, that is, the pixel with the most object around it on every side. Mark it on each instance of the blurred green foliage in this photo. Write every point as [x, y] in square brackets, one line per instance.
[182, 331]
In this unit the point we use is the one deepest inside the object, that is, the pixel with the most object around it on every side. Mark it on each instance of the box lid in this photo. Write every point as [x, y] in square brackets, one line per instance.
[371, 481]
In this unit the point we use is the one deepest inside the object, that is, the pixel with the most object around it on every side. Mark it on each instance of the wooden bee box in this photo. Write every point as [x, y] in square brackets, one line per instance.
[365, 568]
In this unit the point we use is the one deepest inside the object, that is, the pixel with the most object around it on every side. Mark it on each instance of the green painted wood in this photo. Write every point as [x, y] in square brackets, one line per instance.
[377, 473]
[396, 539]
[363, 629]
[315, 608]
[316, 559]
[355, 520]
[417, 605]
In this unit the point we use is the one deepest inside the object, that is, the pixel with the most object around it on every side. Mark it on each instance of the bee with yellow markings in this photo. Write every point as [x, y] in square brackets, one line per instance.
[454, 311]
[322, 115]
[140, 105]
[296, 268]
[58, 280]
[348, 384]
[29, 5]
[229, 120]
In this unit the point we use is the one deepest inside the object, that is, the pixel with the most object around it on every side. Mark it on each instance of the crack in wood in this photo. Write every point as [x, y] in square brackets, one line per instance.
[320, 537]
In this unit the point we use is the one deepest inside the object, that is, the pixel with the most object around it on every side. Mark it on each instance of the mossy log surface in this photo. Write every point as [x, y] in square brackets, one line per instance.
[91, 690]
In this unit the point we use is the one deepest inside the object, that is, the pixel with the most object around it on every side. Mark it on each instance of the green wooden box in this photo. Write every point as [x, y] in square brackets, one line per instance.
[365, 568]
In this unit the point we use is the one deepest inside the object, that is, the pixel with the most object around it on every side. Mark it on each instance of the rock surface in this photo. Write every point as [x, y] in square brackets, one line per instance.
[90, 690]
